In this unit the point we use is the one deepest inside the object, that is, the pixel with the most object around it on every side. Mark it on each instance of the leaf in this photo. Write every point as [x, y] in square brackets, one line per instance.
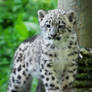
[22, 31]
[17, 1]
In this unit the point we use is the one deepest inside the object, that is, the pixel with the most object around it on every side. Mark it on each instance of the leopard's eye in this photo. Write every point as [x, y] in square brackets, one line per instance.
[48, 26]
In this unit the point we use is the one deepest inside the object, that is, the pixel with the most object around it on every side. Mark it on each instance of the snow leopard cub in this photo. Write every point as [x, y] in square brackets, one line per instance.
[50, 56]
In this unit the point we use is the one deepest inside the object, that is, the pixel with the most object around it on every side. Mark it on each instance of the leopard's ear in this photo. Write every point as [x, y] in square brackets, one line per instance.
[41, 14]
[71, 16]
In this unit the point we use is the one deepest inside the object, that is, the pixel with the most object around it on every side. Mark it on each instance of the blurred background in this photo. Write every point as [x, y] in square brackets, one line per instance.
[18, 21]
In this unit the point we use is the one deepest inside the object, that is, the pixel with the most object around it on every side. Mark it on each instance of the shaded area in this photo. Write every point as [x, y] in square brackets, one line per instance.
[83, 82]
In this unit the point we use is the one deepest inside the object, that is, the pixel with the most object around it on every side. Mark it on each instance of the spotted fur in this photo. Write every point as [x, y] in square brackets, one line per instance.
[50, 56]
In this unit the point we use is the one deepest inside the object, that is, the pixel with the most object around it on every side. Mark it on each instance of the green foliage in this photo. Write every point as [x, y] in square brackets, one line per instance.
[18, 21]
[21, 29]
[34, 85]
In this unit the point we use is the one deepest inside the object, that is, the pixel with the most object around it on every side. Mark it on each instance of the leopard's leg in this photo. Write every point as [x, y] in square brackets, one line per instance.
[48, 77]
[68, 77]
[19, 82]
[28, 85]
[20, 76]
[40, 87]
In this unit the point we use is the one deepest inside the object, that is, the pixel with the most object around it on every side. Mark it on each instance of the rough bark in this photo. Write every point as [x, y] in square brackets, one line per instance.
[85, 15]
[83, 82]
[83, 9]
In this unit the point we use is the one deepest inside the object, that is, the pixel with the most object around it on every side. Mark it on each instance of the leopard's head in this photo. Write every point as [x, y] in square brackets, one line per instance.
[56, 23]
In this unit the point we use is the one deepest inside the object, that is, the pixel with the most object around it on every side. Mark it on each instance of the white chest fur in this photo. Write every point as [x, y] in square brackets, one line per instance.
[62, 51]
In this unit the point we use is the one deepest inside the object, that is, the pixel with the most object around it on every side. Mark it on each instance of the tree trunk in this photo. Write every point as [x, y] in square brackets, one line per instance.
[86, 23]
[83, 9]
